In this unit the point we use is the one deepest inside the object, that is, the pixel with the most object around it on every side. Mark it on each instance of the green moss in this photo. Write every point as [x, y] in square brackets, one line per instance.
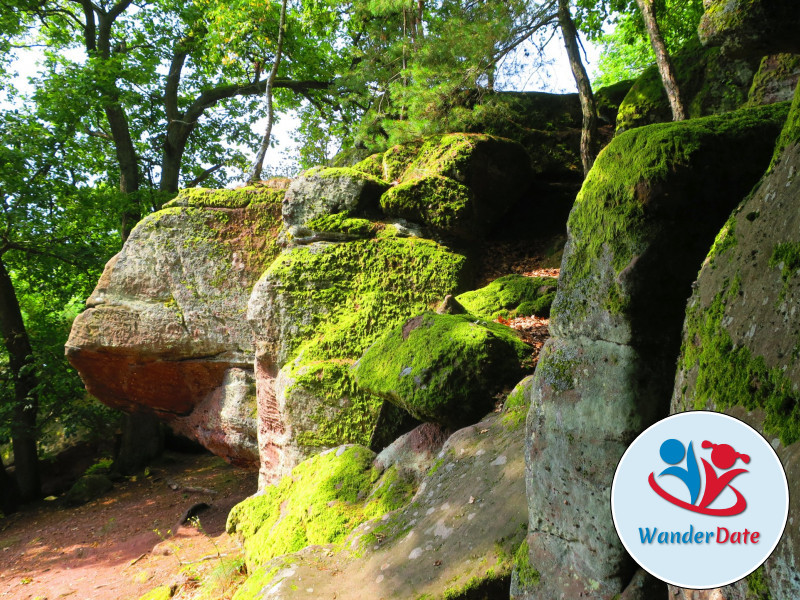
[87, 488]
[611, 222]
[397, 158]
[527, 574]
[726, 238]
[163, 592]
[372, 165]
[728, 375]
[349, 172]
[320, 502]
[510, 296]
[787, 257]
[791, 129]
[442, 368]
[556, 367]
[435, 201]
[773, 68]
[369, 286]
[224, 198]
[757, 586]
[259, 578]
[343, 223]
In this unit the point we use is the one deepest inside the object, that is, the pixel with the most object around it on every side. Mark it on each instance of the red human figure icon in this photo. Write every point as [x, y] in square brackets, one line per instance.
[724, 457]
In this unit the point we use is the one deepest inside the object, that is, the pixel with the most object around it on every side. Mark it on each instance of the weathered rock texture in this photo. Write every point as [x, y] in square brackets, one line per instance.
[314, 312]
[455, 540]
[741, 340]
[165, 329]
[751, 27]
[324, 191]
[775, 80]
[643, 220]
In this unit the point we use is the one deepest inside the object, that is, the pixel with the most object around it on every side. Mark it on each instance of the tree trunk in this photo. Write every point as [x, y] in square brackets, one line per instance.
[9, 493]
[588, 107]
[663, 60]
[142, 441]
[20, 362]
[258, 164]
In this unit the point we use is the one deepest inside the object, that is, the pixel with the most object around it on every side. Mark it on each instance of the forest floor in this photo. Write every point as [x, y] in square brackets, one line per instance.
[120, 546]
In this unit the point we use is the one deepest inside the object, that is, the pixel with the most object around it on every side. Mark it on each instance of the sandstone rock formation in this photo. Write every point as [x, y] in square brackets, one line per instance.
[643, 220]
[314, 312]
[165, 329]
[455, 538]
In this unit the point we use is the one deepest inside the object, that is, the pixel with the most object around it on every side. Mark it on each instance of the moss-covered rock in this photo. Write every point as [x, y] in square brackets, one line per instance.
[321, 502]
[457, 184]
[644, 215]
[454, 540]
[163, 592]
[751, 27]
[442, 368]
[511, 296]
[740, 350]
[314, 312]
[709, 82]
[326, 191]
[87, 488]
[609, 98]
[775, 80]
[165, 325]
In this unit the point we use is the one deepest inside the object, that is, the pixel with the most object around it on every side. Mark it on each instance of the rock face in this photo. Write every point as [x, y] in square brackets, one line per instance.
[710, 84]
[442, 368]
[456, 538]
[314, 312]
[165, 329]
[775, 80]
[751, 27]
[457, 184]
[740, 342]
[324, 191]
[643, 220]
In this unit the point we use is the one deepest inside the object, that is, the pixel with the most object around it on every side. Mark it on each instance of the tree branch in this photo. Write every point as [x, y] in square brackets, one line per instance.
[203, 176]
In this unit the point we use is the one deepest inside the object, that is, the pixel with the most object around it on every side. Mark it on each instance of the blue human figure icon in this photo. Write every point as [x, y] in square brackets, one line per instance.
[672, 453]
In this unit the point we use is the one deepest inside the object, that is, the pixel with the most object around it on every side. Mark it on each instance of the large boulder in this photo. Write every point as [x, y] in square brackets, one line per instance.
[511, 296]
[455, 540]
[314, 312]
[443, 368]
[710, 84]
[324, 191]
[740, 346]
[164, 329]
[751, 27]
[457, 184]
[646, 214]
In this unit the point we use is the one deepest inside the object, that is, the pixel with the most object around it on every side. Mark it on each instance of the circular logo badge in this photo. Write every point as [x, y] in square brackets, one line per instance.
[700, 500]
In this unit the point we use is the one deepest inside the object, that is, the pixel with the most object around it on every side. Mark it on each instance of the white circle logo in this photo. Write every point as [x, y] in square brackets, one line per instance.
[700, 500]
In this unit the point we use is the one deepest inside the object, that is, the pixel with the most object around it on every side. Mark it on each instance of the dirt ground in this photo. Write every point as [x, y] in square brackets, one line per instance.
[120, 546]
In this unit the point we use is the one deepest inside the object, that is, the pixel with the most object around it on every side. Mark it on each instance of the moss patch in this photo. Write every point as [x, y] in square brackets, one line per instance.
[438, 202]
[757, 586]
[372, 165]
[527, 574]
[163, 592]
[224, 198]
[511, 296]
[322, 500]
[442, 368]
[342, 223]
[728, 375]
[791, 129]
